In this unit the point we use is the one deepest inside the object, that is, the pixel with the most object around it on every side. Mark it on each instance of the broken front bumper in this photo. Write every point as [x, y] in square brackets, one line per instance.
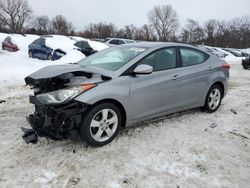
[57, 121]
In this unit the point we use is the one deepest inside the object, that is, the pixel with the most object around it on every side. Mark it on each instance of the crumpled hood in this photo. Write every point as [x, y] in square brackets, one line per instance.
[57, 77]
[56, 70]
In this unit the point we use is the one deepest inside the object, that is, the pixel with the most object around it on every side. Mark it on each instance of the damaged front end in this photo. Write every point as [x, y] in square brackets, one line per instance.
[57, 115]
[56, 121]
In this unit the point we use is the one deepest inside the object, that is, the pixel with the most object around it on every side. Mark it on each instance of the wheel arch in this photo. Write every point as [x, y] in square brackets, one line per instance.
[119, 105]
[221, 85]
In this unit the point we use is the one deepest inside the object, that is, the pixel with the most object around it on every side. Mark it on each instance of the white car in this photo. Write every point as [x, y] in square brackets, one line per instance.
[118, 41]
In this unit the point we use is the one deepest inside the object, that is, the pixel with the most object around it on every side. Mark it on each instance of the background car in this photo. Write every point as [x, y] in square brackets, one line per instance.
[214, 51]
[246, 63]
[118, 41]
[234, 52]
[88, 47]
[123, 86]
[50, 47]
[38, 49]
[9, 45]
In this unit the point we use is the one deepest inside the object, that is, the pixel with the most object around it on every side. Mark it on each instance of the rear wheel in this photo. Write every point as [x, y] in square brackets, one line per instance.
[101, 124]
[213, 99]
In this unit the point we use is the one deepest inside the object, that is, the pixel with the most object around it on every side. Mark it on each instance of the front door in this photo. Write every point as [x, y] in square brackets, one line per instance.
[159, 91]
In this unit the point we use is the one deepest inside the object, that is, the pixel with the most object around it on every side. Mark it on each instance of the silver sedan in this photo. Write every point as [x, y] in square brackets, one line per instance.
[122, 86]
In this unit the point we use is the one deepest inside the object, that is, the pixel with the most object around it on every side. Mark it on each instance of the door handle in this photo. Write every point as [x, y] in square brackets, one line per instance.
[210, 68]
[176, 77]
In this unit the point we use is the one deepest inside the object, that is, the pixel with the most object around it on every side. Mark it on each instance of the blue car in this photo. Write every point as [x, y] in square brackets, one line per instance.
[38, 49]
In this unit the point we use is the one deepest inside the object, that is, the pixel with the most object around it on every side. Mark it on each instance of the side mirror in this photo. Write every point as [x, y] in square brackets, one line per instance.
[143, 69]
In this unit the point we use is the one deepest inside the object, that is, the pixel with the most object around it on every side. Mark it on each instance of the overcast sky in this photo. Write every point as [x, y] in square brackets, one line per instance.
[124, 12]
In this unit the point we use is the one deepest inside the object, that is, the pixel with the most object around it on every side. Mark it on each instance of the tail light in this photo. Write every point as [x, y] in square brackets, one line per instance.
[225, 66]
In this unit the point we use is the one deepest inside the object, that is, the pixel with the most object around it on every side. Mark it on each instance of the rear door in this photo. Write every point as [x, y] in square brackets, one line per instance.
[195, 74]
[159, 91]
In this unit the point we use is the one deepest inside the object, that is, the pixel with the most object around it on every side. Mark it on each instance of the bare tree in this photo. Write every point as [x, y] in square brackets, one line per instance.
[60, 25]
[15, 14]
[42, 24]
[164, 20]
[148, 33]
[192, 32]
[100, 30]
[130, 31]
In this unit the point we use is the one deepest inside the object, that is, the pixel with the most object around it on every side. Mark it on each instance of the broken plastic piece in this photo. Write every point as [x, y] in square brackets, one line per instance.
[213, 125]
[232, 110]
[2, 101]
[29, 135]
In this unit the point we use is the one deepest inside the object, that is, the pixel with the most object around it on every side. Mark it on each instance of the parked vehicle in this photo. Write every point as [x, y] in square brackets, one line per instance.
[88, 47]
[246, 63]
[39, 49]
[120, 87]
[244, 54]
[234, 52]
[9, 45]
[118, 41]
[214, 51]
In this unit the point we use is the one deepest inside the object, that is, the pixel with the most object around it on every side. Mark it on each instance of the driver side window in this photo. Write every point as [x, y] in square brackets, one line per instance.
[163, 59]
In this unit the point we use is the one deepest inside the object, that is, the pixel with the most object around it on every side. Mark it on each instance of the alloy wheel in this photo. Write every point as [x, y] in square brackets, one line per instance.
[214, 98]
[104, 125]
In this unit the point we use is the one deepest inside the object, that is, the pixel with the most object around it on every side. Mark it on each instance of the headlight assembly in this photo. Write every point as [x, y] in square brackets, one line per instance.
[63, 95]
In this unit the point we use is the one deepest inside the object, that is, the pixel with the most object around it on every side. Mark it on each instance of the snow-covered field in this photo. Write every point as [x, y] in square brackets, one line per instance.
[182, 150]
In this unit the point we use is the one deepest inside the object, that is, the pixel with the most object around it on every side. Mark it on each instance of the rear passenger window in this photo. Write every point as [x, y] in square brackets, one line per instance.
[192, 57]
[163, 59]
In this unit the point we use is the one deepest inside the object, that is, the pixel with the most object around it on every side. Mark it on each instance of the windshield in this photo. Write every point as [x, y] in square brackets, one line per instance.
[112, 58]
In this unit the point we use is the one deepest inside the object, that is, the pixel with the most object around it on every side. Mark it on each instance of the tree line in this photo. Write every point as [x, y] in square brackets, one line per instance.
[16, 16]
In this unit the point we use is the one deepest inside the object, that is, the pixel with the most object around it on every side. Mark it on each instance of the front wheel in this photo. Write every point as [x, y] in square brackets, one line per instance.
[101, 124]
[50, 57]
[213, 99]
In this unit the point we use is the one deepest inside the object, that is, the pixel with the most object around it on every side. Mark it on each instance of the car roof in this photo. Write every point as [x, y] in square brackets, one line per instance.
[158, 44]
[119, 39]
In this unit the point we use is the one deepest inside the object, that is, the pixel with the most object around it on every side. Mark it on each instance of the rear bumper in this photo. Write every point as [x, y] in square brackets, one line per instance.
[56, 121]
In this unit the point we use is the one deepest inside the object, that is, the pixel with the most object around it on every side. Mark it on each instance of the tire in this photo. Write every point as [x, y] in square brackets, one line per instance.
[50, 57]
[30, 54]
[96, 130]
[213, 99]
[245, 67]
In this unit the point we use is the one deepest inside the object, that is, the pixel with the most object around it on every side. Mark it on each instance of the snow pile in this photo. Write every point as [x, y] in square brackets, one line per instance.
[22, 41]
[78, 38]
[98, 46]
[54, 44]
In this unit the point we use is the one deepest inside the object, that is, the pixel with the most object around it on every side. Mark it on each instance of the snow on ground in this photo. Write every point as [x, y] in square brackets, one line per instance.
[182, 150]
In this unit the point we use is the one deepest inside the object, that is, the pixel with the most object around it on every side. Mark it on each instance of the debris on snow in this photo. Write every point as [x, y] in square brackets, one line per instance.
[29, 135]
[2, 101]
[213, 125]
[232, 110]
[238, 134]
